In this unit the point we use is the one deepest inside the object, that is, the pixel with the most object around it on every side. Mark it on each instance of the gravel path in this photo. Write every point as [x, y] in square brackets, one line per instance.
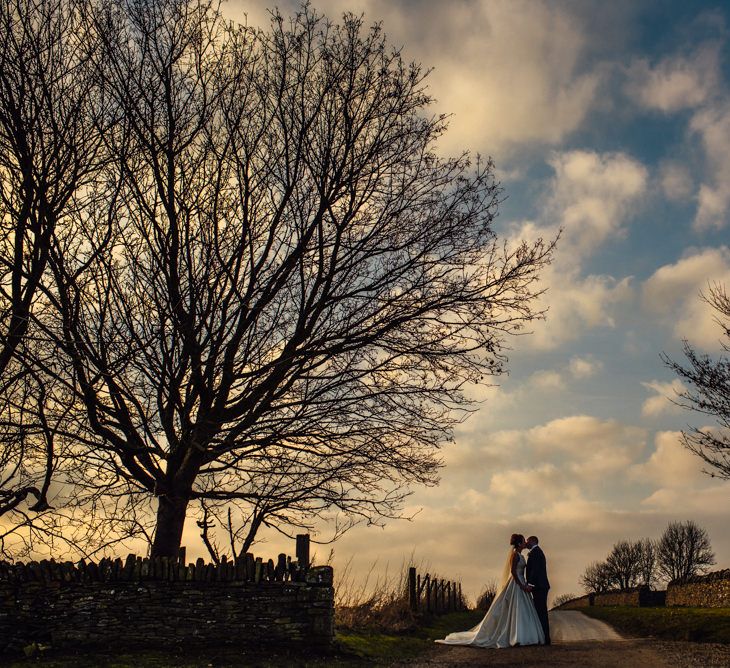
[574, 626]
[579, 640]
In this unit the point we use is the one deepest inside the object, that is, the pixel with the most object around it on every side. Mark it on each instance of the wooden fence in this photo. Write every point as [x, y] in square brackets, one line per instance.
[433, 595]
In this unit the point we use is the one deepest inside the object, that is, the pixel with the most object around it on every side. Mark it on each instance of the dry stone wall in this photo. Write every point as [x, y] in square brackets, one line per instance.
[577, 603]
[148, 603]
[636, 597]
[705, 591]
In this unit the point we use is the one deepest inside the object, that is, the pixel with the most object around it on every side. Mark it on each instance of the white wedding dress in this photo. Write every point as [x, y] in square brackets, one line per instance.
[511, 619]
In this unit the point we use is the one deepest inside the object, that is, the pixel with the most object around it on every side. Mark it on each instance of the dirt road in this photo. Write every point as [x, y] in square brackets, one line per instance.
[573, 626]
[579, 640]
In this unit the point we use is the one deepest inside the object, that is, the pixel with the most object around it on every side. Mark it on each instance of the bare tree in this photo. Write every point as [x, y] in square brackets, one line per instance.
[296, 289]
[684, 550]
[623, 563]
[47, 157]
[596, 578]
[709, 392]
[647, 567]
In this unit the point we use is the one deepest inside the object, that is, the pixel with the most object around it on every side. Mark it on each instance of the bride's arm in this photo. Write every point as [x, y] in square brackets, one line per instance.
[515, 577]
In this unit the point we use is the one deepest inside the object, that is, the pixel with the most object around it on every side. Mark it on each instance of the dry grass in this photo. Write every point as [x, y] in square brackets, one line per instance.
[485, 599]
[375, 602]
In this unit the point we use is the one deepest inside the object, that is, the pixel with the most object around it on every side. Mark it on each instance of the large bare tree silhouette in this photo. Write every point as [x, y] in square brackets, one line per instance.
[287, 290]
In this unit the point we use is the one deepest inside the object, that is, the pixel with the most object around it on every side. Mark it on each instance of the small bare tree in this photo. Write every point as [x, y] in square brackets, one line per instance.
[684, 550]
[709, 392]
[596, 578]
[647, 567]
[623, 563]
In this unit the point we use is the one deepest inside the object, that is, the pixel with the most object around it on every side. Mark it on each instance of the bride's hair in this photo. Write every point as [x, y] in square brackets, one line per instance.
[516, 539]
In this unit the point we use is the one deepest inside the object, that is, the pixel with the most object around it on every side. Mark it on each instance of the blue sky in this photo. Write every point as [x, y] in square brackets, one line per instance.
[610, 121]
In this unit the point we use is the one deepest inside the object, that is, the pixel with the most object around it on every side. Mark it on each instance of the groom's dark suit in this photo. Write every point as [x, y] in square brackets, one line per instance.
[537, 576]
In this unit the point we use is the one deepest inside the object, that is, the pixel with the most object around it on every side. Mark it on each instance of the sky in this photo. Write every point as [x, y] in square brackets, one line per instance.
[610, 121]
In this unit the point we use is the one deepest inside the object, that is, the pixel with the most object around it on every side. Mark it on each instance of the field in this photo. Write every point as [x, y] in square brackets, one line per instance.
[696, 624]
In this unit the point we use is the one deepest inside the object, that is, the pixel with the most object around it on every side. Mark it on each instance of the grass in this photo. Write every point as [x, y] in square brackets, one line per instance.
[351, 648]
[380, 647]
[696, 624]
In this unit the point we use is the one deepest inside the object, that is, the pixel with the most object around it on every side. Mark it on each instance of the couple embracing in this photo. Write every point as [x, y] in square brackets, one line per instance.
[518, 615]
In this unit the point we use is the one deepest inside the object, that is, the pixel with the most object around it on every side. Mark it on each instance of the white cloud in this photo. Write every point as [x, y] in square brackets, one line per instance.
[712, 125]
[544, 480]
[675, 83]
[662, 400]
[671, 465]
[673, 293]
[692, 82]
[584, 367]
[576, 304]
[546, 380]
[705, 502]
[594, 447]
[591, 197]
[594, 194]
[511, 72]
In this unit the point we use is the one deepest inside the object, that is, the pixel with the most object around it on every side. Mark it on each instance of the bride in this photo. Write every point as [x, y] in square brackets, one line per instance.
[511, 619]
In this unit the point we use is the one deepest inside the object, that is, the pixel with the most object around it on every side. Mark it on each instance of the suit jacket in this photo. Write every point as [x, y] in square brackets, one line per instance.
[537, 569]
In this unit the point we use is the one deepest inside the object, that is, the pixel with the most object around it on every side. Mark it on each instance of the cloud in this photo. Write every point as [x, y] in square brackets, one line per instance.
[541, 486]
[692, 81]
[662, 400]
[591, 197]
[546, 380]
[672, 292]
[712, 126]
[593, 447]
[575, 303]
[584, 367]
[677, 82]
[537, 95]
[578, 368]
[512, 73]
[671, 465]
[593, 194]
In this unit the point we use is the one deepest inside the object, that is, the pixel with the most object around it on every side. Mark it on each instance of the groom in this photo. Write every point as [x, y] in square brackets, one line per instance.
[537, 580]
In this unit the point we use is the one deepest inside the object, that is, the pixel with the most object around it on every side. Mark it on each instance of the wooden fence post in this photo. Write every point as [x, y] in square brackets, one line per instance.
[303, 550]
[412, 591]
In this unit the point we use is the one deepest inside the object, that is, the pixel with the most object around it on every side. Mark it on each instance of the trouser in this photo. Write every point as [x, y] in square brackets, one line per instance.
[539, 596]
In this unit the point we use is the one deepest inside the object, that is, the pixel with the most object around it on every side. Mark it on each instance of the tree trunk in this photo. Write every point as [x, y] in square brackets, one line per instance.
[171, 511]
